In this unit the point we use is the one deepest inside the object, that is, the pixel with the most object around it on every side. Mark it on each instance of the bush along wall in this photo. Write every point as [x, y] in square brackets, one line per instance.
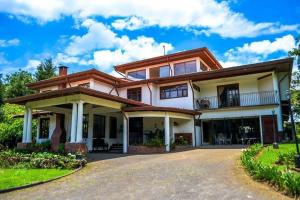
[43, 160]
[287, 181]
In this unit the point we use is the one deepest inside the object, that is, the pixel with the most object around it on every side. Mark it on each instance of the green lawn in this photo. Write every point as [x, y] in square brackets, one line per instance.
[17, 177]
[269, 156]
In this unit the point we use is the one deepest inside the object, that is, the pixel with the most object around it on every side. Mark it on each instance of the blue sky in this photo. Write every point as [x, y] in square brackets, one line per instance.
[100, 34]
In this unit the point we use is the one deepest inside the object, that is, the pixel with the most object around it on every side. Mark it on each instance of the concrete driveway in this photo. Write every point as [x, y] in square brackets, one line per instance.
[195, 174]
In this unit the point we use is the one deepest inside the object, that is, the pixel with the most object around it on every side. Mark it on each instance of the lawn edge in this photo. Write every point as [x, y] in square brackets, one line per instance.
[38, 183]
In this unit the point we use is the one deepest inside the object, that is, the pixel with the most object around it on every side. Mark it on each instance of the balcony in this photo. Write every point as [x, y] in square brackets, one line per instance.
[237, 100]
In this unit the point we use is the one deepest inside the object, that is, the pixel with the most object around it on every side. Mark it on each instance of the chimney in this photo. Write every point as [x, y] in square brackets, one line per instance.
[63, 71]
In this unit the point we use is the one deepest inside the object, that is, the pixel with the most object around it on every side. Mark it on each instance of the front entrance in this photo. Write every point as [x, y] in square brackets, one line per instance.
[99, 132]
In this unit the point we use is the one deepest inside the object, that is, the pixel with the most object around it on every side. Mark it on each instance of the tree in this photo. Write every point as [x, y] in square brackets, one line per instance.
[11, 128]
[1, 90]
[45, 70]
[15, 84]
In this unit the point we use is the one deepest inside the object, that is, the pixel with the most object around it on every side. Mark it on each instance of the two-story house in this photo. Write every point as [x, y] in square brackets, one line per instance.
[185, 95]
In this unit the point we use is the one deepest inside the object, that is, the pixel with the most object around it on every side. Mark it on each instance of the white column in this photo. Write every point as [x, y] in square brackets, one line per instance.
[276, 89]
[261, 130]
[74, 123]
[25, 126]
[79, 122]
[125, 135]
[29, 126]
[167, 132]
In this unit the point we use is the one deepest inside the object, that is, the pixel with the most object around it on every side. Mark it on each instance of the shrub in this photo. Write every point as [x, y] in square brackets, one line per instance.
[44, 146]
[155, 142]
[283, 180]
[45, 160]
[286, 158]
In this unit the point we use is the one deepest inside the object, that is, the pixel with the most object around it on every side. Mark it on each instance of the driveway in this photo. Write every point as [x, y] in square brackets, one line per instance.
[195, 174]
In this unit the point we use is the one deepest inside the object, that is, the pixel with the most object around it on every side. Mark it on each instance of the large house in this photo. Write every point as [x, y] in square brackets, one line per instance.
[182, 96]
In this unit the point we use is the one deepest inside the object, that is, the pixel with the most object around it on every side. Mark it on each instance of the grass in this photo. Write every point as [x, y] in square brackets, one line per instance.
[18, 177]
[269, 156]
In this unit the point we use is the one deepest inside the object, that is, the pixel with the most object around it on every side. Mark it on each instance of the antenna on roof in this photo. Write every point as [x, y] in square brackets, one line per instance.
[164, 49]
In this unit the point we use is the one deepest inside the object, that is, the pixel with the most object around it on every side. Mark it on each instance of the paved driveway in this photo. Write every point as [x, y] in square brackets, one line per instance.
[195, 174]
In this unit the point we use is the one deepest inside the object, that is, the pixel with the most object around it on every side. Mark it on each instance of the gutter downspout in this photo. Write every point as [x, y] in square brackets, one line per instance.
[150, 93]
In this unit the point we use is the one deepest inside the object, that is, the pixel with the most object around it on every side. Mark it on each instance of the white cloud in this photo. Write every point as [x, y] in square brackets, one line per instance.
[204, 16]
[8, 43]
[129, 23]
[267, 47]
[98, 36]
[257, 51]
[32, 65]
[107, 48]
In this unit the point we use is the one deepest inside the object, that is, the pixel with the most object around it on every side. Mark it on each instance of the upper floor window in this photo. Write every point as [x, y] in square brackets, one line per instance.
[163, 71]
[141, 74]
[185, 67]
[174, 91]
[44, 128]
[134, 94]
[85, 85]
[228, 95]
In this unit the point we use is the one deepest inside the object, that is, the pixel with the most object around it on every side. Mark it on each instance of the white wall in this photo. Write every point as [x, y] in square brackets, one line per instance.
[265, 84]
[181, 102]
[103, 87]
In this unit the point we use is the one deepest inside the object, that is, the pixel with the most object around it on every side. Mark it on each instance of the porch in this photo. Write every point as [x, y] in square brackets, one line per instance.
[85, 120]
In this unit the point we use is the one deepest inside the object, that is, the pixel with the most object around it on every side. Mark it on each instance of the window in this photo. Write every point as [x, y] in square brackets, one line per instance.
[141, 74]
[164, 71]
[85, 85]
[44, 128]
[134, 94]
[174, 91]
[228, 95]
[85, 126]
[112, 127]
[185, 67]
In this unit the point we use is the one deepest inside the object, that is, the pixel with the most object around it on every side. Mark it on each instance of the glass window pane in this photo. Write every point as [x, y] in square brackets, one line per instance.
[164, 71]
[179, 69]
[137, 74]
[190, 67]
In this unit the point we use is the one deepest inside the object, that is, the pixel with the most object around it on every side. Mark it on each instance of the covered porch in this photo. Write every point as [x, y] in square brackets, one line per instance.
[87, 120]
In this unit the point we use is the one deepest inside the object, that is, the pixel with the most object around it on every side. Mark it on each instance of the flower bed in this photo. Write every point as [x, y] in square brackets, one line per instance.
[42, 160]
[284, 180]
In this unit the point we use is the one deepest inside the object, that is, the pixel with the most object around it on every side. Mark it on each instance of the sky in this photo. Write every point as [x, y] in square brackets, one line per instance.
[100, 34]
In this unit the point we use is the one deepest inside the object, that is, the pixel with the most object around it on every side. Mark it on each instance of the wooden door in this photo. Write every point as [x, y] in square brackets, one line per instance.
[268, 122]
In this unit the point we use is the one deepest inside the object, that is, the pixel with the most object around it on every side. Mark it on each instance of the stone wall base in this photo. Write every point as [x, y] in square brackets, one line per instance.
[76, 148]
[21, 145]
[145, 149]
